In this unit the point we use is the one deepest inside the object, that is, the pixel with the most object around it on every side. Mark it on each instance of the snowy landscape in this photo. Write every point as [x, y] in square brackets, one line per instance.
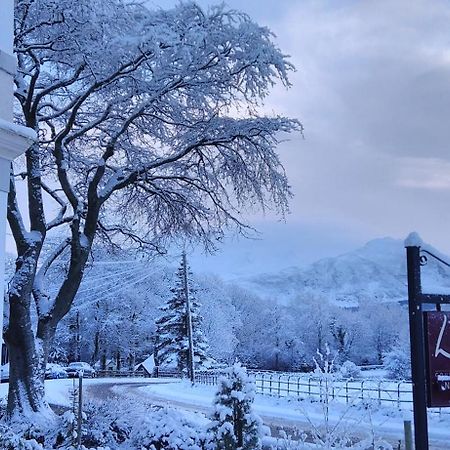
[198, 240]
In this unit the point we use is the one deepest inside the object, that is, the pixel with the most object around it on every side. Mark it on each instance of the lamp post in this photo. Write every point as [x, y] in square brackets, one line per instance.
[14, 139]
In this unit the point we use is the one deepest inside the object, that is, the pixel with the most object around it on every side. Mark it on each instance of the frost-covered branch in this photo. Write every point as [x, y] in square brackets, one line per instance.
[60, 218]
[15, 217]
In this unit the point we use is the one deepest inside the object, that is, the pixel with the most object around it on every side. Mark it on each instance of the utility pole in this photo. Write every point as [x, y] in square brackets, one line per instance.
[188, 321]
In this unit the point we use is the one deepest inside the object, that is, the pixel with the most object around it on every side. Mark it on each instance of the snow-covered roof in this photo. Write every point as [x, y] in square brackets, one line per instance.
[148, 364]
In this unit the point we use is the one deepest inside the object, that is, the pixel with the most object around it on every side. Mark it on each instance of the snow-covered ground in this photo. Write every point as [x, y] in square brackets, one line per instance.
[287, 413]
[384, 421]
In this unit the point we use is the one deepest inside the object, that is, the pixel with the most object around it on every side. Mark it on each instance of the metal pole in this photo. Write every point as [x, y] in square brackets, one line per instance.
[189, 321]
[80, 408]
[417, 339]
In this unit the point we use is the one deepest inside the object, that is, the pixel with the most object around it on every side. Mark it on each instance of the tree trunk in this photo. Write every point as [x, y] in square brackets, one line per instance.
[45, 334]
[96, 352]
[26, 379]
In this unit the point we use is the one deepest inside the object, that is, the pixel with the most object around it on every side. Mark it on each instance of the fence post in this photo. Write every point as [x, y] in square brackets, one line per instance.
[298, 386]
[270, 384]
[279, 385]
[379, 392]
[408, 434]
[398, 395]
[288, 381]
[309, 386]
[346, 391]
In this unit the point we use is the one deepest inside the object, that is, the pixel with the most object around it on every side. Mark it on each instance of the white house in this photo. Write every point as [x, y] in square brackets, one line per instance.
[14, 139]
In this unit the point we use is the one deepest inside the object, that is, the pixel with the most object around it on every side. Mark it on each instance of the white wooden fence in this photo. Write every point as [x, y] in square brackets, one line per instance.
[397, 394]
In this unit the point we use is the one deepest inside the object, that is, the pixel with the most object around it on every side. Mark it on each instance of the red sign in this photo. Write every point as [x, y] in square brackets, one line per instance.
[438, 349]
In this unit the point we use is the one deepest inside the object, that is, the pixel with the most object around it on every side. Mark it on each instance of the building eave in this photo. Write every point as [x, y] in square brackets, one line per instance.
[14, 139]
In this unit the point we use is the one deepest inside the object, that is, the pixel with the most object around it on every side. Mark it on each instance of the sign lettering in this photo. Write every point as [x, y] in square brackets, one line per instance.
[438, 348]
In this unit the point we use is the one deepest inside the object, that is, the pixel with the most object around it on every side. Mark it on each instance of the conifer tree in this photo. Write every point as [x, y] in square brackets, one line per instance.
[181, 318]
[234, 426]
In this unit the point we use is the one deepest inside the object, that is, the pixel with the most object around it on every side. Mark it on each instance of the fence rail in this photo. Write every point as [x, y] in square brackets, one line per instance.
[119, 374]
[396, 394]
[157, 373]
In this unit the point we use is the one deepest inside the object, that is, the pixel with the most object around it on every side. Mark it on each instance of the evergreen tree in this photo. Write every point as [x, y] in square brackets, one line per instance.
[233, 424]
[173, 327]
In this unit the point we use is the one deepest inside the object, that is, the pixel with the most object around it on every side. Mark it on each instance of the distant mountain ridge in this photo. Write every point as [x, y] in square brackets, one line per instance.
[375, 271]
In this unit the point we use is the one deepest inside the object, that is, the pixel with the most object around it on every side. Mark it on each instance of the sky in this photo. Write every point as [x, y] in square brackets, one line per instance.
[372, 90]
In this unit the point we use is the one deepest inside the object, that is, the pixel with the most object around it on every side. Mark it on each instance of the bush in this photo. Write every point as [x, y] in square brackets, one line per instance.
[349, 370]
[169, 430]
[113, 425]
[397, 363]
[10, 440]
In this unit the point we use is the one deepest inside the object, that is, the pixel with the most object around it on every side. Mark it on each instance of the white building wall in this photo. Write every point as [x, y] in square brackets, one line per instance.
[13, 140]
[6, 26]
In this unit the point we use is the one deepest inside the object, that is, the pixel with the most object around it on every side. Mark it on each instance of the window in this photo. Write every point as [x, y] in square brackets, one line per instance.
[4, 358]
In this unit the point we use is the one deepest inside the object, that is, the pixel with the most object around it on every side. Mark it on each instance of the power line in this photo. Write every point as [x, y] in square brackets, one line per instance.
[95, 288]
[104, 277]
[116, 289]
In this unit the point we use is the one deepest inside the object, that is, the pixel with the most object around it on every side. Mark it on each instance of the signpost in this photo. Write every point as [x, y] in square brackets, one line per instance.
[430, 342]
[437, 326]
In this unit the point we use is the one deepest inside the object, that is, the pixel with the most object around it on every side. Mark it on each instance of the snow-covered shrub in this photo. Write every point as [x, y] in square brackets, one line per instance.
[107, 423]
[324, 433]
[115, 425]
[169, 430]
[11, 440]
[397, 363]
[234, 425]
[349, 371]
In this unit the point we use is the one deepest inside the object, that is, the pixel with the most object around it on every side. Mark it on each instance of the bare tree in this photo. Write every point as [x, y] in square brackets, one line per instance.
[149, 129]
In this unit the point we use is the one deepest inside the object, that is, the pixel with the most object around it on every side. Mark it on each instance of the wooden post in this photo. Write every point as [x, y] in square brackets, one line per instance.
[189, 322]
[80, 408]
[408, 434]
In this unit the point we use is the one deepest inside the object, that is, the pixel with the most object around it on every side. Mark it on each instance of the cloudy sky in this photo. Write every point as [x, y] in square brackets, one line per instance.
[372, 89]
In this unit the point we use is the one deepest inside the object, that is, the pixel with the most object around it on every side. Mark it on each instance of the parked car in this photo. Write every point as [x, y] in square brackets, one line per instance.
[55, 371]
[4, 373]
[74, 369]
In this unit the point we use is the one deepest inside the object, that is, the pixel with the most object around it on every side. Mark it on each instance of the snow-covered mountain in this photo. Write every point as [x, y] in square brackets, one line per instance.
[376, 271]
